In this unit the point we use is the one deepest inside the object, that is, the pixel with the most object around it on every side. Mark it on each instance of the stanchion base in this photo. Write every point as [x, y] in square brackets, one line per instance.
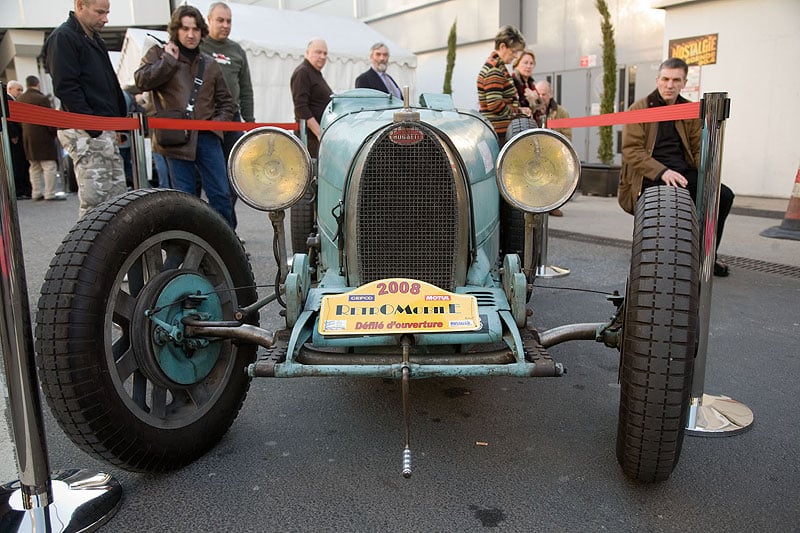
[82, 501]
[718, 416]
[551, 271]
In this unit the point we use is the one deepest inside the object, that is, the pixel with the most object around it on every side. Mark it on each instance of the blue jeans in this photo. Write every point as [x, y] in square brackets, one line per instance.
[210, 162]
[162, 170]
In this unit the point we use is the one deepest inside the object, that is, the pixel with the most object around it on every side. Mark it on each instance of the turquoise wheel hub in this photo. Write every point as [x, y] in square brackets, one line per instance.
[187, 361]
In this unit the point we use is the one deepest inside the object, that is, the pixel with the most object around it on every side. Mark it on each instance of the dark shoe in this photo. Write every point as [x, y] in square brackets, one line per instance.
[38, 198]
[556, 213]
[721, 269]
[24, 197]
[56, 199]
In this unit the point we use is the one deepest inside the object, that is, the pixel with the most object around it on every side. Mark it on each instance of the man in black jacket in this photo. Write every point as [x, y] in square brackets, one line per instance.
[310, 91]
[14, 89]
[85, 82]
[376, 77]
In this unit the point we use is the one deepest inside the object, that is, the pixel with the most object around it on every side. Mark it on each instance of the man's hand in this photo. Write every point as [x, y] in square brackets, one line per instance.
[172, 49]
[676, 179]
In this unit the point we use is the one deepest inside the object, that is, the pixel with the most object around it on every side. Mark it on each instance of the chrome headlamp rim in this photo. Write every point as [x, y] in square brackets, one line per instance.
[250, 136]
[514, 143]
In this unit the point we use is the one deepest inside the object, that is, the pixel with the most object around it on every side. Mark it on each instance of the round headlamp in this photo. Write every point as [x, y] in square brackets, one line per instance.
[269, 169]
[537, 170]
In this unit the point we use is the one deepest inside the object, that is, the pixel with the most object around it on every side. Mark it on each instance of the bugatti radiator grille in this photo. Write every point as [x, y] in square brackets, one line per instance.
[407, 214]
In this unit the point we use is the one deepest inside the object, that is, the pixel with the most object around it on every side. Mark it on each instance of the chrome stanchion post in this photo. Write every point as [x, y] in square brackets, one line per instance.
[543, 270]
[28, 503]
[138, 155]
[712, 416]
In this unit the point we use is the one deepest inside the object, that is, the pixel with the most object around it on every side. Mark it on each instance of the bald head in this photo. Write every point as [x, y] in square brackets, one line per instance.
[92, 14]
[317, 53]
[545, 91]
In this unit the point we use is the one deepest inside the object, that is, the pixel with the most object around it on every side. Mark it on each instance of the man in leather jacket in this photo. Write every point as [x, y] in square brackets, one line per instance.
[169, 73]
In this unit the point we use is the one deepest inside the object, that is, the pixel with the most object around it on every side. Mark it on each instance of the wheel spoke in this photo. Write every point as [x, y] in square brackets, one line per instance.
[225, 294]
[174, 255]
[126, 365]
[140, 390]
[194, 256]
[158, 402]
[199, 394]
[153, 261]
[123, 308]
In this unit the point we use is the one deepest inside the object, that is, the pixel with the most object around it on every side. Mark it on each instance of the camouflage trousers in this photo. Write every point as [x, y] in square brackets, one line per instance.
[98, 166]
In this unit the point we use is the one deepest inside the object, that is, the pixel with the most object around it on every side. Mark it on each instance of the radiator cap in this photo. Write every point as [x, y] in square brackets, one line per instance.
[406, 114]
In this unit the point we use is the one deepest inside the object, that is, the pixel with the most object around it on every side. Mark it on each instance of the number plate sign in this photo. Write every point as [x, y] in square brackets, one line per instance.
[397, 305]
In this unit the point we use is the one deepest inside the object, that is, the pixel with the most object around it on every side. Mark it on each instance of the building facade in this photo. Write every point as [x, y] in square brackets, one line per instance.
[753, 38]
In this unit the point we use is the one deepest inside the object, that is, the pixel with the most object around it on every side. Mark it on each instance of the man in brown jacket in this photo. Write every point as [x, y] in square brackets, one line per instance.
[170, 73]
[666, 153]
[40, 147]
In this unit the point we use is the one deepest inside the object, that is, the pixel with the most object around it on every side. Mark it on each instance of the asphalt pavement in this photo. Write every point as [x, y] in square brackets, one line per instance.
[512, 454]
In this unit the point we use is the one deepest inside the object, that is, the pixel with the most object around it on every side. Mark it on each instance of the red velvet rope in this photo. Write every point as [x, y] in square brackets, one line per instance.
[43, 116]
[653, 114]
[33, 114]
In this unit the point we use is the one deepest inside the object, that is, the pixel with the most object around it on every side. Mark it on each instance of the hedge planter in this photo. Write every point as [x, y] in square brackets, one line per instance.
[598, 179]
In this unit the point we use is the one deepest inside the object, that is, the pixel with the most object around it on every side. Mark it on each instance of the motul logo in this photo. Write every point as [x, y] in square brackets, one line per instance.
[406, 136]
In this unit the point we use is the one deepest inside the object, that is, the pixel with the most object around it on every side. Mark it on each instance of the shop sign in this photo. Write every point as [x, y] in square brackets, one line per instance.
[699, 50]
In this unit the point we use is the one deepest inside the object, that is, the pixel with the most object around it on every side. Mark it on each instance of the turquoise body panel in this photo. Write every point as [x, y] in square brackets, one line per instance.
[351, 123]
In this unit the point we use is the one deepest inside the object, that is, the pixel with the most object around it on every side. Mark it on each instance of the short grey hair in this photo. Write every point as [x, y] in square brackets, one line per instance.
[675, 62]
[14, 83]
[215, 5]
[510, 36]
[377, 46]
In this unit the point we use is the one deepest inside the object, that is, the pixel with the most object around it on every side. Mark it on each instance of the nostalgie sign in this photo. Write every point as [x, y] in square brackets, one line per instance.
[397, 305]
[700, 50]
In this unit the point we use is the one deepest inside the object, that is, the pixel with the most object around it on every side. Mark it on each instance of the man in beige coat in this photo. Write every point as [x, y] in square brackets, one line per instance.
[666, 153]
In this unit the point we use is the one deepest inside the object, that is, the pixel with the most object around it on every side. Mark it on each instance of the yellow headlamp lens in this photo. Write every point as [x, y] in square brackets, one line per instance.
[269, 169]
[537, 170]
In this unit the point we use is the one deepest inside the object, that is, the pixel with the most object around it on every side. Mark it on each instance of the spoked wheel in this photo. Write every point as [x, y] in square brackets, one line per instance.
[130, 388]
[659, 334]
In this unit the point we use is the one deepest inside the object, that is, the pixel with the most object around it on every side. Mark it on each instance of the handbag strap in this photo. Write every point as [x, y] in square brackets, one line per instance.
[198, 82]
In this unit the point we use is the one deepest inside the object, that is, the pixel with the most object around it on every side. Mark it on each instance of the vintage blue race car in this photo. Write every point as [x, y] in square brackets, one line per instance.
[416, 243]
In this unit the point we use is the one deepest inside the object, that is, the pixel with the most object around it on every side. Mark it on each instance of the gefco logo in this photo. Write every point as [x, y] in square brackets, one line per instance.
[361, 298]
[406, 136]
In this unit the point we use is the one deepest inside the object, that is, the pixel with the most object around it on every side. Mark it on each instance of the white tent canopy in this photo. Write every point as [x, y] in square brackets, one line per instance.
[275, 41]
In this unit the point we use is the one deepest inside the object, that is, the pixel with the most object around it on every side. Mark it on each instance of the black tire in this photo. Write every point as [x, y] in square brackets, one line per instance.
[95, 348]
[512, 220]
[518, 125]
[659, 334]
[512, 229]
[302, 218]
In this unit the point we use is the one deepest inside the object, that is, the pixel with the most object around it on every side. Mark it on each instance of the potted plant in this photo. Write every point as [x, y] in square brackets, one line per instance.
[602, 179]
[451, 60]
